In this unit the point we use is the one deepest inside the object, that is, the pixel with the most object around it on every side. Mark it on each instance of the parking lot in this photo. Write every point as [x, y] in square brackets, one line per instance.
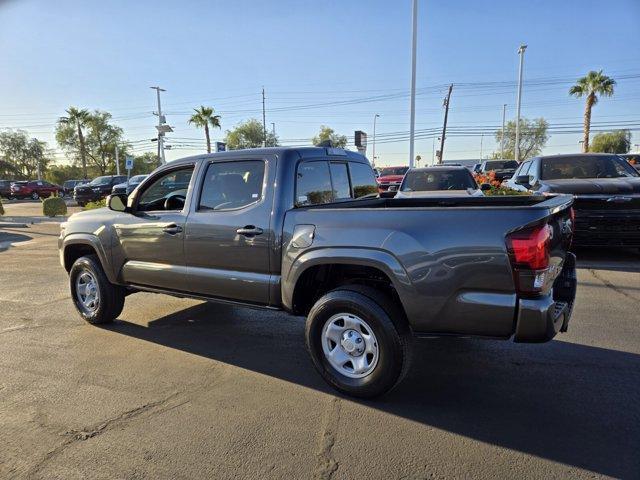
[184, 389]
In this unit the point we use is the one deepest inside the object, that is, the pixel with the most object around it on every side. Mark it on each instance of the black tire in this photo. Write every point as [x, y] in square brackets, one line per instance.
[81, 204]
[35, 196]
[111, 296]
[389, 326]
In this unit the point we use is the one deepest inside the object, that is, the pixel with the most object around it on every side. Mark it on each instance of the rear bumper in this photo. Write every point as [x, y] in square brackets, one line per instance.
[540, 319]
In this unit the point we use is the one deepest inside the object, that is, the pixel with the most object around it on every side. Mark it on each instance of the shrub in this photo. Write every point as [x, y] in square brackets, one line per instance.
[93, 205]
[505, 191]
[53, 206]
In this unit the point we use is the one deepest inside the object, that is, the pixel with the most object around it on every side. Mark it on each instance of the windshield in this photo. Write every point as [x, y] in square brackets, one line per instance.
[585, 167]
[101, 181]
[424, 180]
[500, 164]
[137, 178]
[393, 171]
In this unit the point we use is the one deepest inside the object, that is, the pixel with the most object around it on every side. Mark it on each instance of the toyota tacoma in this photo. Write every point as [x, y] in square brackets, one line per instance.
[303, 230]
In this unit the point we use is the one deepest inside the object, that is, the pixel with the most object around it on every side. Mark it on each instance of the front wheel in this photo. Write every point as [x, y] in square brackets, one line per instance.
[359, 341]
[94, 296]
[35, 196]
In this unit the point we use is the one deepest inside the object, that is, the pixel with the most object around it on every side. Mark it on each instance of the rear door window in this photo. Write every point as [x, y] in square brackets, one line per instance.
[313, 184]
[232, 185]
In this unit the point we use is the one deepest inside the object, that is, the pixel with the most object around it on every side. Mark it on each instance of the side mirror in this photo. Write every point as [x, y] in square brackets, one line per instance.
[485, 186]
[522, 180]
[117, 202]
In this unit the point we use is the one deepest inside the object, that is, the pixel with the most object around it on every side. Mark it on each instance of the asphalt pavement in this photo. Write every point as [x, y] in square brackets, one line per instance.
[184, 389]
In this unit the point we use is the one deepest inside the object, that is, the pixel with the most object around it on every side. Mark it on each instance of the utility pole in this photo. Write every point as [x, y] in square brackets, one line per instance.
[264, 121]
[519, 99]
[160, 122]
[504, 112]
[373, 158]
[412, 120]
[117, 161]
[273, 129]
[444, 126]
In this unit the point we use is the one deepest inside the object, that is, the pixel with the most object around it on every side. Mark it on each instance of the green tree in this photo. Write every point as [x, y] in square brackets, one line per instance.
[327, 133]
[20, 155]
[76, 119]
[203, 118]
[590, 86]
[612, 142]
[533, 138]
[61, 173]
[144, 163]
[249, 134]
[98, 142]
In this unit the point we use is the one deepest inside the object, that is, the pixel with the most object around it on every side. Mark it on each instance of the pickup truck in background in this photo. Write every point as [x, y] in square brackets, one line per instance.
[606, 192]
[301, 229]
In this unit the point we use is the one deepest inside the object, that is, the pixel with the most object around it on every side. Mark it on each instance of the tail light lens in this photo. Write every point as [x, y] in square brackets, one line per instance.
[530, 248]
[529, 251]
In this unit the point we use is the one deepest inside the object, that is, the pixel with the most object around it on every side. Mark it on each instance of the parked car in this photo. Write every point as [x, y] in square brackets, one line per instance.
[444, 181]
[128, 187]
[96, 189]
[69, 185]
[35, 189]
[390, 178]
[606, 190]
[5, 188]
[296, 229]
[503, 169]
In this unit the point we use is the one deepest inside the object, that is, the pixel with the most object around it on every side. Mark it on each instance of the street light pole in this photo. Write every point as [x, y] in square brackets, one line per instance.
[519, 99]
[117, 161]
[504, 113]
[160, 122]
[374, 140]
[412, 121]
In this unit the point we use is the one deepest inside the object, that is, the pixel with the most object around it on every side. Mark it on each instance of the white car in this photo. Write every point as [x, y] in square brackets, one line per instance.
[444, 181]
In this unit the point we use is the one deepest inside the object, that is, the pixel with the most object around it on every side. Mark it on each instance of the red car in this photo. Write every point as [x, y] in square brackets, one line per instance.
[35, 189]
[390, 178]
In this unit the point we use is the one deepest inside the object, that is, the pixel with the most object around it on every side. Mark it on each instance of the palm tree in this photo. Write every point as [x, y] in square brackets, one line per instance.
[78, 118]
[204, 117]
[590, 86]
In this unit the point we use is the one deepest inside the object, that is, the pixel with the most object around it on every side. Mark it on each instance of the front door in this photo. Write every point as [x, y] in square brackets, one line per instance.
[228, 231]
[151, 239]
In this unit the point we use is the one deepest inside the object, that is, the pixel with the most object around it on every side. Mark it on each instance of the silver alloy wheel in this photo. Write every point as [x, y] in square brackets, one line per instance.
[349, 345]
[87, 291]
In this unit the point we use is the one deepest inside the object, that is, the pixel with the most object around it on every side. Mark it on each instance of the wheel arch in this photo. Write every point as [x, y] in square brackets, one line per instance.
[316, 272]
[79, 245]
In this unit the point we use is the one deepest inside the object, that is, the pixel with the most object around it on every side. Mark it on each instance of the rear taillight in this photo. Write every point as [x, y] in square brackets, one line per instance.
[529, 252]
[530, 248]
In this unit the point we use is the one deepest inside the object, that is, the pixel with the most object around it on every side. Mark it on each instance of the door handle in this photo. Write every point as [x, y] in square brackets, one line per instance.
[249, 231]
[172, 229]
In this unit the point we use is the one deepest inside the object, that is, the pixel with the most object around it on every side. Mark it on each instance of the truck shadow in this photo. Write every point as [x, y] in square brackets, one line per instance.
[569, 403]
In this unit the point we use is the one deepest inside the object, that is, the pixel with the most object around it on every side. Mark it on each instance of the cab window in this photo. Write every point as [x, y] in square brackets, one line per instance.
[167, 192]
[363, 180]
[232, 185]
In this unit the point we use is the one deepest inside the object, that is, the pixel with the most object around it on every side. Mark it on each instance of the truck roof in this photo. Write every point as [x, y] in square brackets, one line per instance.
[298, 152]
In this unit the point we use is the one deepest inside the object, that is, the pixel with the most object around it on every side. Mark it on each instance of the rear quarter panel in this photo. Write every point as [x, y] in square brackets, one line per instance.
[449, 265]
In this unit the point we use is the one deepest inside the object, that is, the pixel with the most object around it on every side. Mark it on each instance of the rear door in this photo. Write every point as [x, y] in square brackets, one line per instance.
[228, 232]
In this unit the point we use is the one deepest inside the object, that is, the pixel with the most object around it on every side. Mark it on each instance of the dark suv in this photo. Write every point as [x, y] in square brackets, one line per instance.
[34, 189]
[69, 185]
[5, 188]
[96, 189]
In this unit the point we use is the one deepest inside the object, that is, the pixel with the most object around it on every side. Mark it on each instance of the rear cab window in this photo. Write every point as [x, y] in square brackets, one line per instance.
[322, 181]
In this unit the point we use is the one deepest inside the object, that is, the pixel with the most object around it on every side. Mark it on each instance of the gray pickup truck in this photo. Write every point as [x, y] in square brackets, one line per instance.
[302, 230]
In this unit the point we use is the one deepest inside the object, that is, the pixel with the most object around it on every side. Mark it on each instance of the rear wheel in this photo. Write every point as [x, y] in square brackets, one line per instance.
[359, 341]
[94, 296]
[35, 196]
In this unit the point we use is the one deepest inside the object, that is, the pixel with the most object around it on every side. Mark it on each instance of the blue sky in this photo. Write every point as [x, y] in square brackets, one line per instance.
[311, 55]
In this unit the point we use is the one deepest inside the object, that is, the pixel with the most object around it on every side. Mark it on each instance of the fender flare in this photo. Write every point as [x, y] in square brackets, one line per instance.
[368, 257]
[94, 242]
